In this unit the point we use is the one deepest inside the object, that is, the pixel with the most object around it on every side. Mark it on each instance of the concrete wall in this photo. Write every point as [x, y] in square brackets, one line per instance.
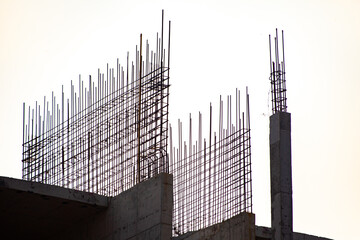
[30, 210]
[239, 227]
[142, 212]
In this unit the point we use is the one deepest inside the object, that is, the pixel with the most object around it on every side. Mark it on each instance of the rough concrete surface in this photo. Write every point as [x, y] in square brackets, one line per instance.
[142, 212]
[31, 210]
[239, 227]
[265, 233]
[281, 177]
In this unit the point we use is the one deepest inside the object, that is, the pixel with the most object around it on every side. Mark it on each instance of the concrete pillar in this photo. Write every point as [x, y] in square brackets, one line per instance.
[281, 180]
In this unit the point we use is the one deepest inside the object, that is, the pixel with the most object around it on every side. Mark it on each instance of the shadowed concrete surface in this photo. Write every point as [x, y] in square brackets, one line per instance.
[241, 226]
[142, 212]
[30, 210]
[265, 233]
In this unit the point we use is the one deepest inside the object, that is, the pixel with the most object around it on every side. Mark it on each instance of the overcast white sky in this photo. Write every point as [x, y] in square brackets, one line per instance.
[217, 46]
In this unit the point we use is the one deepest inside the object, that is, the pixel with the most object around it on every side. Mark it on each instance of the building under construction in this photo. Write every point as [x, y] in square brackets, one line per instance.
[105, 163]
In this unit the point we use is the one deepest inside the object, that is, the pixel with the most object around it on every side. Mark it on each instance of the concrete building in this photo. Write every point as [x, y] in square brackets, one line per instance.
[31, 210]
[148, 201]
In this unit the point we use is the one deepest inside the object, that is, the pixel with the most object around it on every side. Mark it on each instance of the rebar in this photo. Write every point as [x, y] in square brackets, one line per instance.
[113, 134]
[212, 182]
[108, 136]
[277, 76]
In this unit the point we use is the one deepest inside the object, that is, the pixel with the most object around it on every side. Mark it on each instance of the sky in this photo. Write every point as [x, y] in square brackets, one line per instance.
[216, 47]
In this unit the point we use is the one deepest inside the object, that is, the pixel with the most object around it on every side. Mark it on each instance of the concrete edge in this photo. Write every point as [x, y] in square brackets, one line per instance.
[305, 236]
[263, 232]
[53, 191]
[266, 233]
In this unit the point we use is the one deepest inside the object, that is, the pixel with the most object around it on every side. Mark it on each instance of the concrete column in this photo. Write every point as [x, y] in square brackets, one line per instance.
[281, 180]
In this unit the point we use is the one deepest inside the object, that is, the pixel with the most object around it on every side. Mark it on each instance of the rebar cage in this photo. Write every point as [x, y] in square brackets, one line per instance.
[277, 77]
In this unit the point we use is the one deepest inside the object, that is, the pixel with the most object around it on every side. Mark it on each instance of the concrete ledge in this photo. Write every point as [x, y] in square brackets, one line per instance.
[265, 233]
[302, 236]
[52, 191]
[239, 227]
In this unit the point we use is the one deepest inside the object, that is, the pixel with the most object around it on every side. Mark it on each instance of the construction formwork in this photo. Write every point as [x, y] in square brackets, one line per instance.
[108, 136]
